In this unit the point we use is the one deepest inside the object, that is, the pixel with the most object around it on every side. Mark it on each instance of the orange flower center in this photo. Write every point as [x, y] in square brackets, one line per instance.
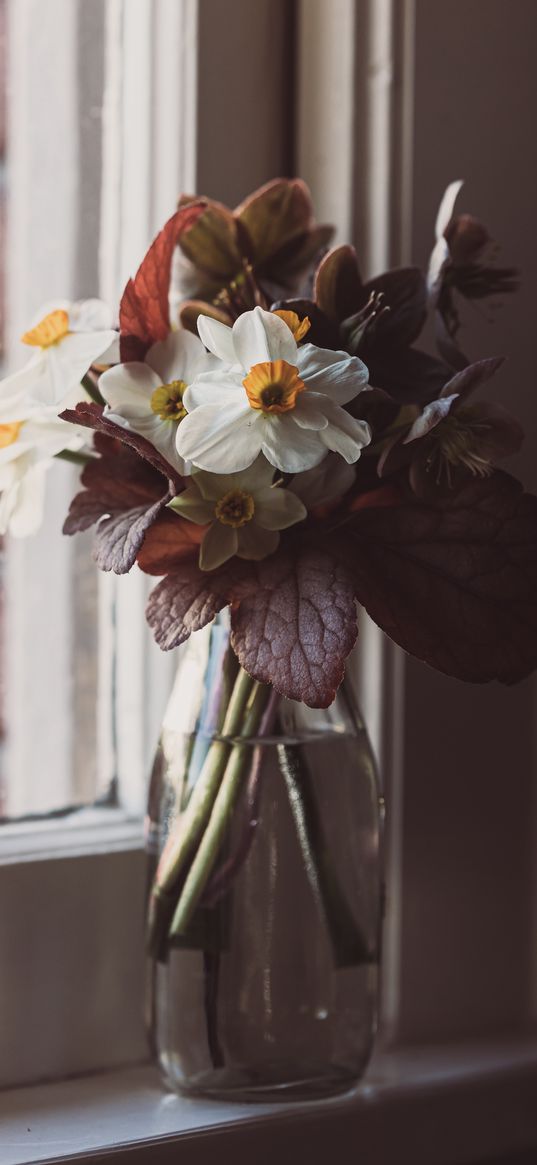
[48, 331]
[298, 327]
[235, 508]
[273, 386]
[9, 433]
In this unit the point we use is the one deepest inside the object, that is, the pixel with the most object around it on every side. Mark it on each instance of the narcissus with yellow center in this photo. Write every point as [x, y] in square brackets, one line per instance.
[235, 508]
[271, 397]
[273, 386]
[50, 330]
[243, 512]
[66, 340]
[9, 433]
[147, 396]
[167, 401]
[27, 448]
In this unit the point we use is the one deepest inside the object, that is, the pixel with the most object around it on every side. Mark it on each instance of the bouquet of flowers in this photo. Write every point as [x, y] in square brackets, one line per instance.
[263, 434]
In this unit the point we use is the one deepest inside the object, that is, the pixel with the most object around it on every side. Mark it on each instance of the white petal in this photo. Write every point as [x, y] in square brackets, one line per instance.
[255, 542]
[446, 208]
[218, 338]
[328, 481]
[344, 434]
[430, 417]
[89, 315]
[215, 388]
[260, 335]
[439, 257]
[17, 391]
[289, 447]
[28, 503]
[128, 389]
[308, 412]
[68, 361]
[259, 476]
[111, 355]
[276, 509]
[179, 357]
[221, 440]
[219, 544]
[190, 504]
[336, 374]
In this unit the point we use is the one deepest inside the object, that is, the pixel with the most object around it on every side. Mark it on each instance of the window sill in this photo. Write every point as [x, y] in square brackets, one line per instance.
[443, 1104]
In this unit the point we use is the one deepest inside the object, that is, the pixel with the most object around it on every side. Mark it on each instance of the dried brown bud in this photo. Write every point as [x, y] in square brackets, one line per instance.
[466, 237]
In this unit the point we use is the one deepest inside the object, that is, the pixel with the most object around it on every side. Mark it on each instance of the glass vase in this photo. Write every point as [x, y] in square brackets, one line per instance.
[265, 886]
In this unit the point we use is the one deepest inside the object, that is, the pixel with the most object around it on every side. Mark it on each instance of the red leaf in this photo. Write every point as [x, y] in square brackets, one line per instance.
[144, 313]
[295, 627]
[168, 543]
[91, 416]
[454, 580]
[125, 489]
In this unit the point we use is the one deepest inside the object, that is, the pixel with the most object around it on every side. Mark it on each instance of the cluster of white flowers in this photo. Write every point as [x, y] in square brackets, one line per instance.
[255, 403]
[66, 339]
[235, 409]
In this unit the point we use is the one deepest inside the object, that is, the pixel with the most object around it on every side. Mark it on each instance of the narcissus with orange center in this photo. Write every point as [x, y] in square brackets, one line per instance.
[273, 386]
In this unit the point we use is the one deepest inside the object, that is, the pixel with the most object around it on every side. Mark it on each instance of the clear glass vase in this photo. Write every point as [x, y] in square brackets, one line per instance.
[264, 909]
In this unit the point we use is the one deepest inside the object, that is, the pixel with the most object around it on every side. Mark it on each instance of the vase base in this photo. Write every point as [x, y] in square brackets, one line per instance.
[241, 1086]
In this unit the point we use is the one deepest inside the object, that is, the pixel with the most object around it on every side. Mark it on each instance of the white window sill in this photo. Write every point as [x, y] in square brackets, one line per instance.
[452, 1104]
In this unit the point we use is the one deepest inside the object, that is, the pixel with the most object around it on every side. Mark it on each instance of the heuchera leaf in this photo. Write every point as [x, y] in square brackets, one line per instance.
[125, 489]
[295, 627]
[187, 600]
[144, 314]
[454, 581]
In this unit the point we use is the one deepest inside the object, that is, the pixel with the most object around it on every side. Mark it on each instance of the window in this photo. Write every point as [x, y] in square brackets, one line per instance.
[394, 99]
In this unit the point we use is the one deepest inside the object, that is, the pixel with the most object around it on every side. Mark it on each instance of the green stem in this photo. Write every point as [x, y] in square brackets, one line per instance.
[92, 390]
[192, 822]
[348, 942]
[211, 842]
[74, 458]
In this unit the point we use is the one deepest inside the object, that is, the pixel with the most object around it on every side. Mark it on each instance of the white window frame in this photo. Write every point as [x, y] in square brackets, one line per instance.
[362, 139]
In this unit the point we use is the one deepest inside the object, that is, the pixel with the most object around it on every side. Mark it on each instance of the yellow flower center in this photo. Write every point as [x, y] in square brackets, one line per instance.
[48, 331]
[298, 327]
[273, 386]
[235, 508]
[9, 433]
[167, 401]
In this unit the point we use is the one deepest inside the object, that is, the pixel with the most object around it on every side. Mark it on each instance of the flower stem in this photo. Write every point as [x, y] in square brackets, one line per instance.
[349, 944]
[92, 390]
[74, 458]
[209, 847]
[191, 823]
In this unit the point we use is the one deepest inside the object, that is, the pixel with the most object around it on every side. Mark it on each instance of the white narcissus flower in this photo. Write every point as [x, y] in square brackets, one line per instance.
[275, 398]
[147, 396]
[27, 448]
[67, 338]
[244, 512]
